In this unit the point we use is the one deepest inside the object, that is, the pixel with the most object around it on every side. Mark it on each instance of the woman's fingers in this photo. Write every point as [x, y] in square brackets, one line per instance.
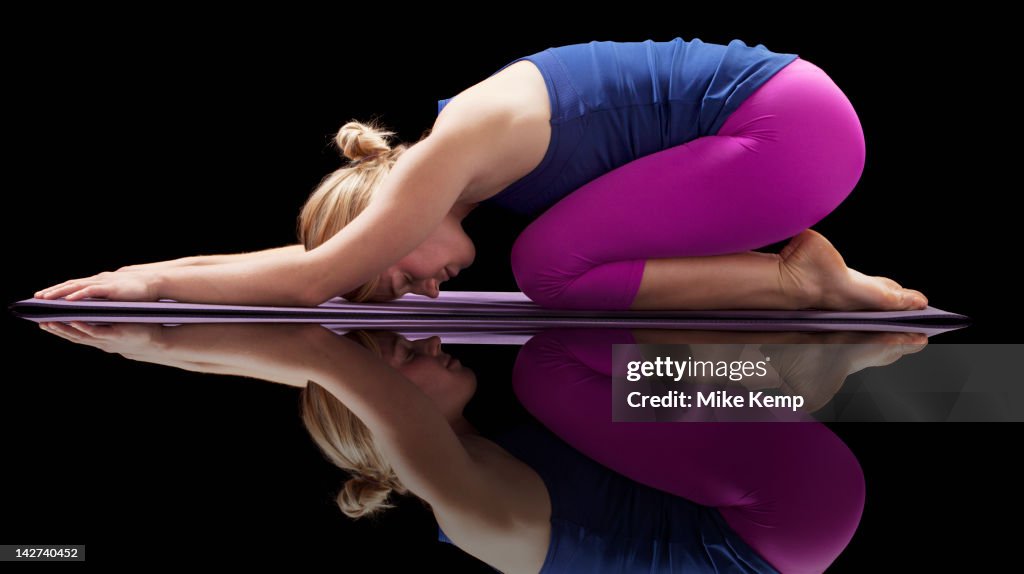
[52, 291]
[76, 332]
[48, 293]
[124, 286]
[58, 292]
[77, 289]
[64, 331]
[89, 291]
[95, 331]
[43, 292]
[53, 330]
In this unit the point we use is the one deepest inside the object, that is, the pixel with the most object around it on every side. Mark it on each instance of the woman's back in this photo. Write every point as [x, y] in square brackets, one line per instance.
[604, 522]
[613, 102]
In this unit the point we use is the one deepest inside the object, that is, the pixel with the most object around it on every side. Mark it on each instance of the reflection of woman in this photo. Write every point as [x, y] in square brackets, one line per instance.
[729, 497]
[653, 169]
[551, 498]
[788, 493]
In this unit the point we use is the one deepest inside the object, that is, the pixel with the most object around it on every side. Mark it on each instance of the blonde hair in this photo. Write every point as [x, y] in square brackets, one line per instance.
[348, 443]
[346, 192]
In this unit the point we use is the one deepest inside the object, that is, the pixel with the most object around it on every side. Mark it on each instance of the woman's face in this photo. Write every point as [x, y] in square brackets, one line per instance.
[439, 375]
[441, 256]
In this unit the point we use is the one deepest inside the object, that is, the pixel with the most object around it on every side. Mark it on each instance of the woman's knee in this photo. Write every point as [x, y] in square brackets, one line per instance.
[555, 277]
[535, 265]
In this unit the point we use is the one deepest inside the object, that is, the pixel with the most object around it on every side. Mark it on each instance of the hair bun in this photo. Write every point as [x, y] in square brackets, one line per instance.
[358, 141]
[363, 496]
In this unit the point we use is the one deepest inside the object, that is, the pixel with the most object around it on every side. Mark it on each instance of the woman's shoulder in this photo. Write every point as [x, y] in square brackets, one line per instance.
[506, 118]
[518, 89]
[511, 530]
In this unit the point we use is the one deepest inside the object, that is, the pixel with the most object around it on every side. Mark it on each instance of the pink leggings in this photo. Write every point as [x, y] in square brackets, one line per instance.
[781, 162]
[793, 491]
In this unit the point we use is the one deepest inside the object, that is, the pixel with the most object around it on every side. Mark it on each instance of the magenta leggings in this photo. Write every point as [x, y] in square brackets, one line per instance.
[782, 161]
[793, 491]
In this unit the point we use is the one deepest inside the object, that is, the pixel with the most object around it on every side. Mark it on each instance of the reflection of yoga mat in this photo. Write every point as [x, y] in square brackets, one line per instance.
[468, 310]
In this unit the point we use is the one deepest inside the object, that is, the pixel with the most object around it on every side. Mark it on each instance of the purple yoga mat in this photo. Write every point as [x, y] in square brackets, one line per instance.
[463, 304]
[463, 312]
[497, 331]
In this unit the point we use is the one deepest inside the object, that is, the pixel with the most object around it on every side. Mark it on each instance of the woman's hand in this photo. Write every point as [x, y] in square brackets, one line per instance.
[130, 340]
[114, 285]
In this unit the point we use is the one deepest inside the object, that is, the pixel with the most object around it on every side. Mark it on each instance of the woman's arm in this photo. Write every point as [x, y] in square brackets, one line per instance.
[421, 189]
[212, 259]
[410, 431]
[414, 198]
[254, 350]
[406, 424]
[273, 279]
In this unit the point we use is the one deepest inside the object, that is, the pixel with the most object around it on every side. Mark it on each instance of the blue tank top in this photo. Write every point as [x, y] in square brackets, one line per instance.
[613, 102]
[602, 521]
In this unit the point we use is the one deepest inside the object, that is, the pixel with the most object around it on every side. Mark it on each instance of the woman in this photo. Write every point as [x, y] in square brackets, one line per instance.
[652, 169]
[577, 493]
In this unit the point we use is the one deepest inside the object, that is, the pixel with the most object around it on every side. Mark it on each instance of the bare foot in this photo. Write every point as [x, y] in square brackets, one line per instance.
[814, 272]
[817, 372]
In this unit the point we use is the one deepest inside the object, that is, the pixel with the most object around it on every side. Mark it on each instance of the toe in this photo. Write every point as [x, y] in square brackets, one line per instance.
[902, 299]
[913, 339]
[905, 298]
[895, 300]
[919, 299]
[910, 299]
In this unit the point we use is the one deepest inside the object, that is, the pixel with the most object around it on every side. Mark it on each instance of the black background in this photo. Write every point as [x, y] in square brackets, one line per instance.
[181, 135]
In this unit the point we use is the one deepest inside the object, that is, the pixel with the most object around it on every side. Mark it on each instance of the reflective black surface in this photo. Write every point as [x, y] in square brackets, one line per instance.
[149, 440]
